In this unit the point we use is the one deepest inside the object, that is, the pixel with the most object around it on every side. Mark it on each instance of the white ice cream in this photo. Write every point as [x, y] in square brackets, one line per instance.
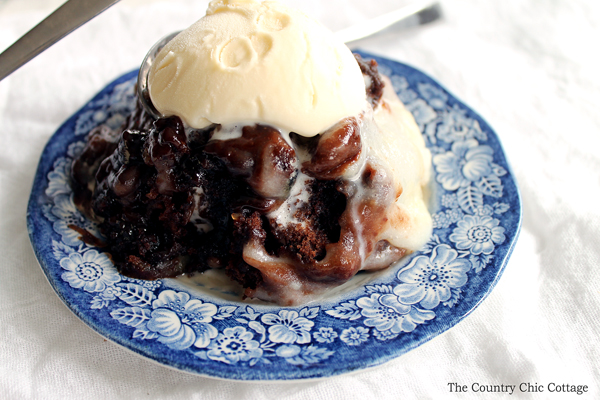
[257, 62]
[399, 146]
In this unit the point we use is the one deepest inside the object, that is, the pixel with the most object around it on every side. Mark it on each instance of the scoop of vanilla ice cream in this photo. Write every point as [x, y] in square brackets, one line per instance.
[249, 61]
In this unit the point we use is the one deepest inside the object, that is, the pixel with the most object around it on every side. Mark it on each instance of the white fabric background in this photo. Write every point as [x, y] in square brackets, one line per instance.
[529, 67]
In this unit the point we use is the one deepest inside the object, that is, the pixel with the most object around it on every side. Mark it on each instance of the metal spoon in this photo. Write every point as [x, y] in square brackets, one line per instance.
[417, 13]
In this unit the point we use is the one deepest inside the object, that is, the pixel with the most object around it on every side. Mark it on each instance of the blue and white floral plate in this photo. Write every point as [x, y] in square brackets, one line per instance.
[202, 327]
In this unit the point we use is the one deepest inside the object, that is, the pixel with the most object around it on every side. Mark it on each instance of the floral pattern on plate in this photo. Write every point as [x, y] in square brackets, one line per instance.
[476, 213]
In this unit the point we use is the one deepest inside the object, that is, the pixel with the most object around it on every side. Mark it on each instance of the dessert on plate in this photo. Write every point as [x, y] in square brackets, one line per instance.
[280, 158]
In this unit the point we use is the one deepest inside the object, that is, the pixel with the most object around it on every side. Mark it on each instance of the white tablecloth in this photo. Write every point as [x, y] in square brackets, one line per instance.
[529, 67]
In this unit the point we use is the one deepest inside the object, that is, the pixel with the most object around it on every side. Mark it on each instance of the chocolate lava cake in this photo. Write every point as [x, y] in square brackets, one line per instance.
[271, 209]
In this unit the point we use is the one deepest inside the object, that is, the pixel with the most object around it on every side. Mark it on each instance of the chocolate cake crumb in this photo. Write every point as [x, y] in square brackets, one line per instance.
[247, 226]
[307, 242]
[375, 83]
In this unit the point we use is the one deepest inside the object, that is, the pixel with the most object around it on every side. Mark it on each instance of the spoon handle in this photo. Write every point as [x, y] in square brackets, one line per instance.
[425, 11]
[70, 16]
